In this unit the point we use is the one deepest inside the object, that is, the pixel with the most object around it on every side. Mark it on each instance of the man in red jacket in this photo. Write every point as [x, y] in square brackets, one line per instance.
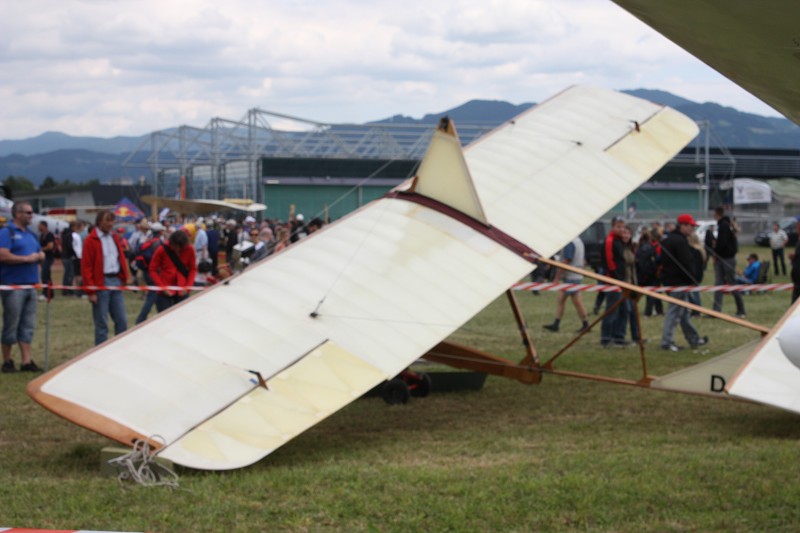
[103, 264]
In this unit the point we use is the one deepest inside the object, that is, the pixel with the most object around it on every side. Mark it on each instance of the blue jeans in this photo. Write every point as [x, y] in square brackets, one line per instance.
[628, 316]
[109, 302]
[19, 316]
[675, 315]
[612, 328]
[69, 276]
[149, 300]
[47, 278]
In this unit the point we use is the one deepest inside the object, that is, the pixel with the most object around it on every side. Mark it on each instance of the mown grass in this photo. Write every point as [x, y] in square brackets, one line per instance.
[564, 455]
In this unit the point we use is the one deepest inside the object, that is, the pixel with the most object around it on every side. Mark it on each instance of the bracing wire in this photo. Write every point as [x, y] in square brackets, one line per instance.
[360, 245]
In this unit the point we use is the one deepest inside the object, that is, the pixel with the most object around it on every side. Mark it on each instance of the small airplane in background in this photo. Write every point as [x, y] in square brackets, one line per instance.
[203, 207]
[6, 203]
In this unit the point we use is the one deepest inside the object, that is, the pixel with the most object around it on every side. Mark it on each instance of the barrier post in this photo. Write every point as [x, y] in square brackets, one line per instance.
[47, 332]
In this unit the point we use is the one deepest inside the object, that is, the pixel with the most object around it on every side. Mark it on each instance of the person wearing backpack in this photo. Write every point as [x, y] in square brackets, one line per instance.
[173, 265]
[142, 260]
[647, 268]
[47, 242]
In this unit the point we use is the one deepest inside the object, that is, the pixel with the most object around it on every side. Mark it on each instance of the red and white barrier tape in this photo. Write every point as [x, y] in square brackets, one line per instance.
[128, 288]
[527, 286]
[580, 287]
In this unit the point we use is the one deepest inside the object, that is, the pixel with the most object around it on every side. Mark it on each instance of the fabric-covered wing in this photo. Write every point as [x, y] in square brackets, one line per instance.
[393, 280]
[548, 174]
[756, 45]
[772, 373]
[239, 369]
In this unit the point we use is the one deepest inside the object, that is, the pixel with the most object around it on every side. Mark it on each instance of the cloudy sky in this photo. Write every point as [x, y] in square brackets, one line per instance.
[127, 67]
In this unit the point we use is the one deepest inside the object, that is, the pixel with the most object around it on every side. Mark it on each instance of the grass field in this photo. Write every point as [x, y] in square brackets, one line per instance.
[563, 455]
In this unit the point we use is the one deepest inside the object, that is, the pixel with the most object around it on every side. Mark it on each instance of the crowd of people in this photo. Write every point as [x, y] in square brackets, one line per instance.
[177, 254]
[172, 255]
[670, 255]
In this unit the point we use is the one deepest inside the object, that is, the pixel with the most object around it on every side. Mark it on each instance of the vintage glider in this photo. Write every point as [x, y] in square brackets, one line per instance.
[757, 46]
[238, 370]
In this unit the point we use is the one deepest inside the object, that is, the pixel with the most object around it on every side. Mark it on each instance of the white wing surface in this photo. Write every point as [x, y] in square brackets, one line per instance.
[545, 176]
[772, 373]
[356, 303]
[755, 44]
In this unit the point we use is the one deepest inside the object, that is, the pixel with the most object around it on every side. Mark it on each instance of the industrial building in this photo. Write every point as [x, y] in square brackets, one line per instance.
[328, 170]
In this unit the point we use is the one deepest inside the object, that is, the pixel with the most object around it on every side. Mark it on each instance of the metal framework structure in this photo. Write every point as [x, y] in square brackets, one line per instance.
[222, 160]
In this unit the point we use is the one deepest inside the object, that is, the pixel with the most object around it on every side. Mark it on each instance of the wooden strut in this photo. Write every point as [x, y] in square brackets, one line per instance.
[531, 357]
[530, 370]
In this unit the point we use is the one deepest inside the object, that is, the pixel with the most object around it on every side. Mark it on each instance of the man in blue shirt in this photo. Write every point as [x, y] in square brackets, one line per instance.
[20, 255]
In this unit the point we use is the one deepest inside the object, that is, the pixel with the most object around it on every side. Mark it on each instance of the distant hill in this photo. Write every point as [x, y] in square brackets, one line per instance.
[78, 166]
[84, 158]
[53, 140]
[480, 112]
[732, 128]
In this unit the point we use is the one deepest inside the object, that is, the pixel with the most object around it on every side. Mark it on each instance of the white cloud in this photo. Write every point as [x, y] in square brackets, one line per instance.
[131, 66]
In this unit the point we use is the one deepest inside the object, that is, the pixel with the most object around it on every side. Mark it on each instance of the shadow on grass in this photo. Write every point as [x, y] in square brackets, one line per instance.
[77, 458]
[761, 422]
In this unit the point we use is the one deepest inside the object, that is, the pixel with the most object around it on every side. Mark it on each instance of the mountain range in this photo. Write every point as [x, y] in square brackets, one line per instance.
[80, 159]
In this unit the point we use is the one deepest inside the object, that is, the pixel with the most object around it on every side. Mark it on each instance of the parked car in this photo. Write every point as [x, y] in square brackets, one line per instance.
[788, 224]
[702, 228]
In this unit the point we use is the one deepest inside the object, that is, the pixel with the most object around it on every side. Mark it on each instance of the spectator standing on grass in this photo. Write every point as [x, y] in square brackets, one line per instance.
[136, 239]
[647, 268]
[628, 309]
[47, 242]
[611, 330]
[20, 255]
[777, 242]
[573, 254]
[794, 258]
[173, 264]
[146, 251]
[77, 246]
[699, 261]
[213, 244]
[726, 245]
[104, 264]
[201, 242]
[677, 260]
[230, 237]
[68, 257]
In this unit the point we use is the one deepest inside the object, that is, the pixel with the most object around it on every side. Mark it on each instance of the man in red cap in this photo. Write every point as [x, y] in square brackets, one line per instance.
[676, 258]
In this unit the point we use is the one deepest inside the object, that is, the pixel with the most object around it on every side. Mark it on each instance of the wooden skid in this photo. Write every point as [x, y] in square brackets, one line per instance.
[459, 356]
